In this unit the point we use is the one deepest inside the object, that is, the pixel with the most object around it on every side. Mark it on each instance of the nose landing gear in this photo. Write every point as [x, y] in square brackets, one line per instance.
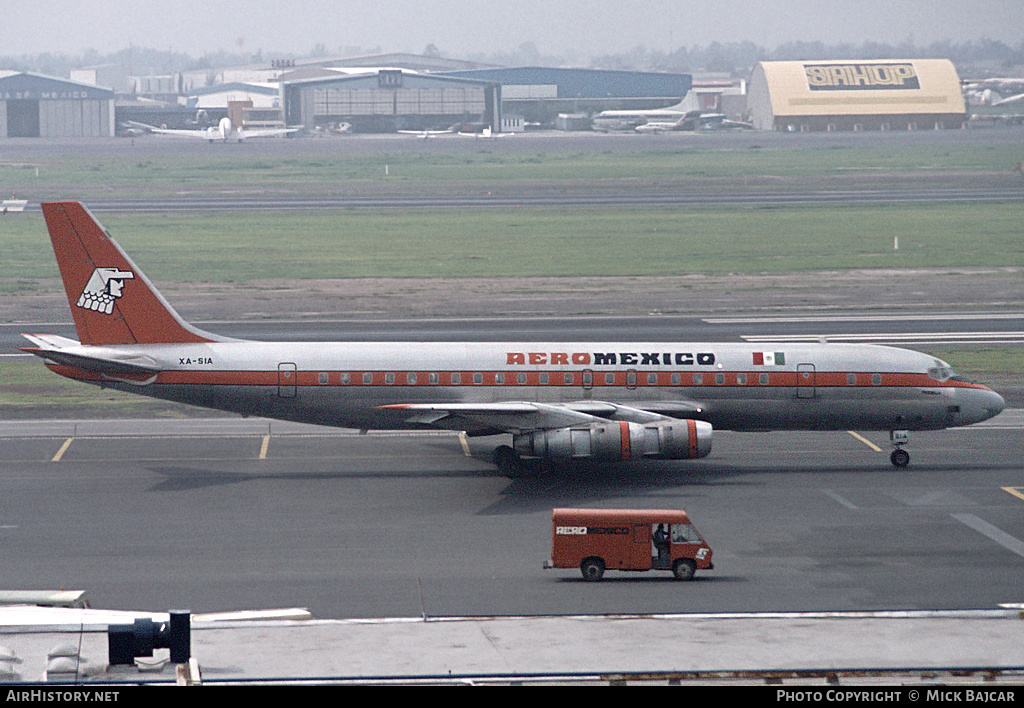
[900, 458]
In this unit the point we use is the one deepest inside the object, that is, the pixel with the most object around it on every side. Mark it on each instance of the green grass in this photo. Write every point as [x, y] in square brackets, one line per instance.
[248, 247]
[984, 361]
[158, 173]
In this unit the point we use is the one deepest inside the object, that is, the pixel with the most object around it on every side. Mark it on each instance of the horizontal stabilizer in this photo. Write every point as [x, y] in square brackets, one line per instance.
[53, 351]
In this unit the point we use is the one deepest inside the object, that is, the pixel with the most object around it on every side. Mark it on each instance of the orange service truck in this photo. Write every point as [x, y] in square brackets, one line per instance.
[595, 540]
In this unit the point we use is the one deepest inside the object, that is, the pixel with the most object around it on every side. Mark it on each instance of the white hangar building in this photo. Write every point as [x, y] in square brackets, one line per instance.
[912, 94]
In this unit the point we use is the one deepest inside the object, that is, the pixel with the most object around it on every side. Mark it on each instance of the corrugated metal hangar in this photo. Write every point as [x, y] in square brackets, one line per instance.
[390, 99]
[35, 106]
[856, 95]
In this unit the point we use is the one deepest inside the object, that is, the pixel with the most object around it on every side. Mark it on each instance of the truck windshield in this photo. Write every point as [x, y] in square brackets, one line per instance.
[685, 533]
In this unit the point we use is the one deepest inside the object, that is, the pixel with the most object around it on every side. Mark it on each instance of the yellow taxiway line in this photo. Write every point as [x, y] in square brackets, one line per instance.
[62, 450]
[865, 441]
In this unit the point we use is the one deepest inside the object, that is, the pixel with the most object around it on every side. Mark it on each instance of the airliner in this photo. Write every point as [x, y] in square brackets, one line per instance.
[559, 401]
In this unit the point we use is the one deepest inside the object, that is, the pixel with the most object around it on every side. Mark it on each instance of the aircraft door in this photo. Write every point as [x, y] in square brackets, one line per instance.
[286, 376]
[805, 376]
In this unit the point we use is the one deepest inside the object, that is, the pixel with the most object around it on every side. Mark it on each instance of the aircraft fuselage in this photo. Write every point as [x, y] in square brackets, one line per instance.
[818, 387]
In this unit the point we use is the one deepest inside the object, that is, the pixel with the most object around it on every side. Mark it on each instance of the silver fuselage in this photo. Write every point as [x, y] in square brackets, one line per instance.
[731, 386]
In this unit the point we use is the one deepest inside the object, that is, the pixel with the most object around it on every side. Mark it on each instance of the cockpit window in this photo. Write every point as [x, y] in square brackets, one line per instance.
[942, 372]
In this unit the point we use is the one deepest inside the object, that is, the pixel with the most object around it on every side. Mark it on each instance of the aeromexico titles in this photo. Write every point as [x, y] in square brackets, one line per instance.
[558, 401]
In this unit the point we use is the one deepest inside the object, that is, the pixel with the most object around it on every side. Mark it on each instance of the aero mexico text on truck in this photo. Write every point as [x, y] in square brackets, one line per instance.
[595, 540]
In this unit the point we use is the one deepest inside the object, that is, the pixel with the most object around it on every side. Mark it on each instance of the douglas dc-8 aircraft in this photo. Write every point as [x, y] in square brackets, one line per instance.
[605, 402]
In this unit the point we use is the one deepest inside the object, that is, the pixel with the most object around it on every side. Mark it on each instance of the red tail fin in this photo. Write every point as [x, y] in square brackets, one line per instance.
[112, 301]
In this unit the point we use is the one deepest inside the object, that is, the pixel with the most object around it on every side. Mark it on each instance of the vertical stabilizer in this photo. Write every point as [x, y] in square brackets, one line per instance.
[111, 300]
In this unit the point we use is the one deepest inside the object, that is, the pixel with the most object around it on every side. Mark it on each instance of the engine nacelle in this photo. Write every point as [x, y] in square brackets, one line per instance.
[618, 440]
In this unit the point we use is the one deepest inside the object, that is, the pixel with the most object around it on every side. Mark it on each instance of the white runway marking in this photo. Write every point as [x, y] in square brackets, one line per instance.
[1014, 545]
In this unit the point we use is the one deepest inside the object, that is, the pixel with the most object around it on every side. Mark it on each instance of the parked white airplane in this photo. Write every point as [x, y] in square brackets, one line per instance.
[608, 401]
[224, 131]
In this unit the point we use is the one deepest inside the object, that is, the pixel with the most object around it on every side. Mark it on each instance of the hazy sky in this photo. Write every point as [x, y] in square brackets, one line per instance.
[461, 27]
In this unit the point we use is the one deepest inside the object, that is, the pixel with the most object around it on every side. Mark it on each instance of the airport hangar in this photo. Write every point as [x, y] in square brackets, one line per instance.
[913, 94]
[386, 100]
[36, 106]
[503, 98]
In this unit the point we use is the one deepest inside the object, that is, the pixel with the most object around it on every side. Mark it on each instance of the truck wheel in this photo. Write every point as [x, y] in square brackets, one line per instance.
[592, 569]
[684, 569]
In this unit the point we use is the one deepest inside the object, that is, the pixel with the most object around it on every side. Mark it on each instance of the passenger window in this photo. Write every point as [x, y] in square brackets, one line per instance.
[568, 379]
[543, 378]
[851, 379]
[652, 378]
[456, 378]
[499, 378]
[698, 379]
[609, 379]
[876, 379]
[345, 378]
[676, 379]
[389, 378]
[763, 379]
[367, 378]
[433, 378]
[478, 378]
[321, 378]
[520, 379]
[411, 378]
[741, 379]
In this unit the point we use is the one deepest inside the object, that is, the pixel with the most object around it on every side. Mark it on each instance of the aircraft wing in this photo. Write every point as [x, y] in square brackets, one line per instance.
[177, 132]
[522, 416]
[427, 133]
[268, 132]
[223, 131]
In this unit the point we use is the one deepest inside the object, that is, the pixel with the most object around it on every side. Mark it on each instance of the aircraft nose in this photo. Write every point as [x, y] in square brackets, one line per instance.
[994, 403]
[983, 403]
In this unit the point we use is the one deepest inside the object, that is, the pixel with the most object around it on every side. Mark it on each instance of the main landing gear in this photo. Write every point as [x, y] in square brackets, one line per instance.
[900, 458]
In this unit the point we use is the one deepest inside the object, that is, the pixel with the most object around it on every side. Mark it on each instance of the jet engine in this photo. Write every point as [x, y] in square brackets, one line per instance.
[617, 441]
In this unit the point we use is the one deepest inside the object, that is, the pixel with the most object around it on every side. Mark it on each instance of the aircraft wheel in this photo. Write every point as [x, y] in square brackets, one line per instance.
[900, 458]
[592, 569]
[684, 568]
